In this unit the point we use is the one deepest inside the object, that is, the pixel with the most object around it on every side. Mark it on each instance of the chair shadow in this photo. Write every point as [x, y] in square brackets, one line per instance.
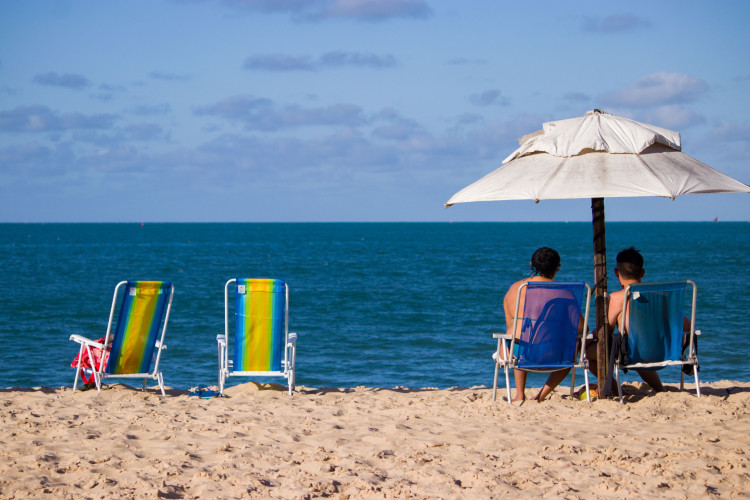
[398, 389]
[632, 394]
[44, 390]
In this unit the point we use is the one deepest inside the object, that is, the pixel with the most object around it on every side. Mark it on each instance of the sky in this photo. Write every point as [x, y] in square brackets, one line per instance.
[348, 110]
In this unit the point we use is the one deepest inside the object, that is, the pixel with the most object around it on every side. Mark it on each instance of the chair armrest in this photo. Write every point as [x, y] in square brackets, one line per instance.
[157, 344]
[502, 338]
[697, 332]
[292, 338]
[221, 339]
[83, 340]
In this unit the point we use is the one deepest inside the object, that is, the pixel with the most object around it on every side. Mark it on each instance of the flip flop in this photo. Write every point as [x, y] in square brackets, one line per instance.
[204, 393]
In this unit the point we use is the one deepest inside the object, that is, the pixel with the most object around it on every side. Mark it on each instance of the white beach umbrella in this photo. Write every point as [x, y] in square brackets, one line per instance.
[597, 156]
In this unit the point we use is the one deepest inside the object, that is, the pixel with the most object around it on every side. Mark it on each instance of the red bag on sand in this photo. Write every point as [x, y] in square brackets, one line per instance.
[86, 362]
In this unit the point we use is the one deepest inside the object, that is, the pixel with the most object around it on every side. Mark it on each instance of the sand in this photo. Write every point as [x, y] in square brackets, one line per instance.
[372, 443]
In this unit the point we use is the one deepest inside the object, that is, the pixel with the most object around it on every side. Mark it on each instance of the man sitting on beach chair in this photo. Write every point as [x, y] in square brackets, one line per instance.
[629, 271]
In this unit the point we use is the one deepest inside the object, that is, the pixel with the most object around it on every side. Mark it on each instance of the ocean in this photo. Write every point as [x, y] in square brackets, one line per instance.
[374, 304]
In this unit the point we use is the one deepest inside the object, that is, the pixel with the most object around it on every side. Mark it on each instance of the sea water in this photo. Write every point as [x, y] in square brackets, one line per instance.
[374, 304]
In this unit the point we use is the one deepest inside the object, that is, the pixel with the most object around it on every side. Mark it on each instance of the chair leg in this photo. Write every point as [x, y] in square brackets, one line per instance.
[221, 370]
[507, 384]
[588, 388]
[294, 370]
[573, 380]
[619, 384]
[697, 384]
[161, 383]
[78, 368]
[290, 379]
[494, 383]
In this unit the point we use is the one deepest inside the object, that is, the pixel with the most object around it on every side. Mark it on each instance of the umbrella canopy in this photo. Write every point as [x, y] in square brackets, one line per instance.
[597, 156]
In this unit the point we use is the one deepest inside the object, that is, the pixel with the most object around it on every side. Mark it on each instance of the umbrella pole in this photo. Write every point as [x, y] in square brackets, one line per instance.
[600, 294]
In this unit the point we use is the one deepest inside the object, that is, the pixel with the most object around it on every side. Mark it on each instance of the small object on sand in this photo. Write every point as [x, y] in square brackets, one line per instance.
[204, 393]
[581, 393]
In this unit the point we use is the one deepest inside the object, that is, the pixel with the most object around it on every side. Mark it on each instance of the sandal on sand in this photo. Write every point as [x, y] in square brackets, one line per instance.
[204, 393]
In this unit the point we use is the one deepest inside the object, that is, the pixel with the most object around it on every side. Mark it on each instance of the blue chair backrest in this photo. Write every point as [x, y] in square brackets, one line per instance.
[139, 326]
[551, 315]
[654, 321]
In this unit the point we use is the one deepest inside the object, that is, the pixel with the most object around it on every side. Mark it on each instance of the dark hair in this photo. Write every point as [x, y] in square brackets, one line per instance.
[545, 262]
[630, 264]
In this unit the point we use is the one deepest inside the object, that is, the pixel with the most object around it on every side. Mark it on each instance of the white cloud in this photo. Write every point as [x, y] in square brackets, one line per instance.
[264, 114]
[658, 89]
[730, 131]
[673, 116]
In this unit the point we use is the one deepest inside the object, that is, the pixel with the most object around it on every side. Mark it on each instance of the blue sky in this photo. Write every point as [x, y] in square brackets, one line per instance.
[347, 110]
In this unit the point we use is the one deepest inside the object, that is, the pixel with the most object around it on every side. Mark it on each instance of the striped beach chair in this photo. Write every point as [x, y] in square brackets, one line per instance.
[263, 346]
[134, 348]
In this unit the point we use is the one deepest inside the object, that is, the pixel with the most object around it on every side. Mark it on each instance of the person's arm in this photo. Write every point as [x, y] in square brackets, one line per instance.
[509, 305]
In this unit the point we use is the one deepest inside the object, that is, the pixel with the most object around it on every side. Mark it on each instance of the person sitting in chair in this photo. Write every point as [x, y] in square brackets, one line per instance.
[629, 271]
[545, 263]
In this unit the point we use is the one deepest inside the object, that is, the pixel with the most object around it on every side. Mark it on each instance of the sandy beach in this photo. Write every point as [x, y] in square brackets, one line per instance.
[372, 443]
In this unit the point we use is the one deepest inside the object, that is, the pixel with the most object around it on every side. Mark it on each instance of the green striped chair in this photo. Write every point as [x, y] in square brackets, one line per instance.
[262, 344]
[134, 349]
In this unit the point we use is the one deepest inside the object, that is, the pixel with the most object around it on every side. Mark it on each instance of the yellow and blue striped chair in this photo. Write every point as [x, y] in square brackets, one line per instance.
[138, 339]
[263, 345]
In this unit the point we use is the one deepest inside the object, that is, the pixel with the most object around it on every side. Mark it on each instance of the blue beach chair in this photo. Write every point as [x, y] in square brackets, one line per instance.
[263, 346]
[138, 339]
[653, 326]
[549, 333]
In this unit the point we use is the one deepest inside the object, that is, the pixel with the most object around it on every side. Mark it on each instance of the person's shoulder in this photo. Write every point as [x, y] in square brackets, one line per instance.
[616, 297]
[514, 286]
[518, 283]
